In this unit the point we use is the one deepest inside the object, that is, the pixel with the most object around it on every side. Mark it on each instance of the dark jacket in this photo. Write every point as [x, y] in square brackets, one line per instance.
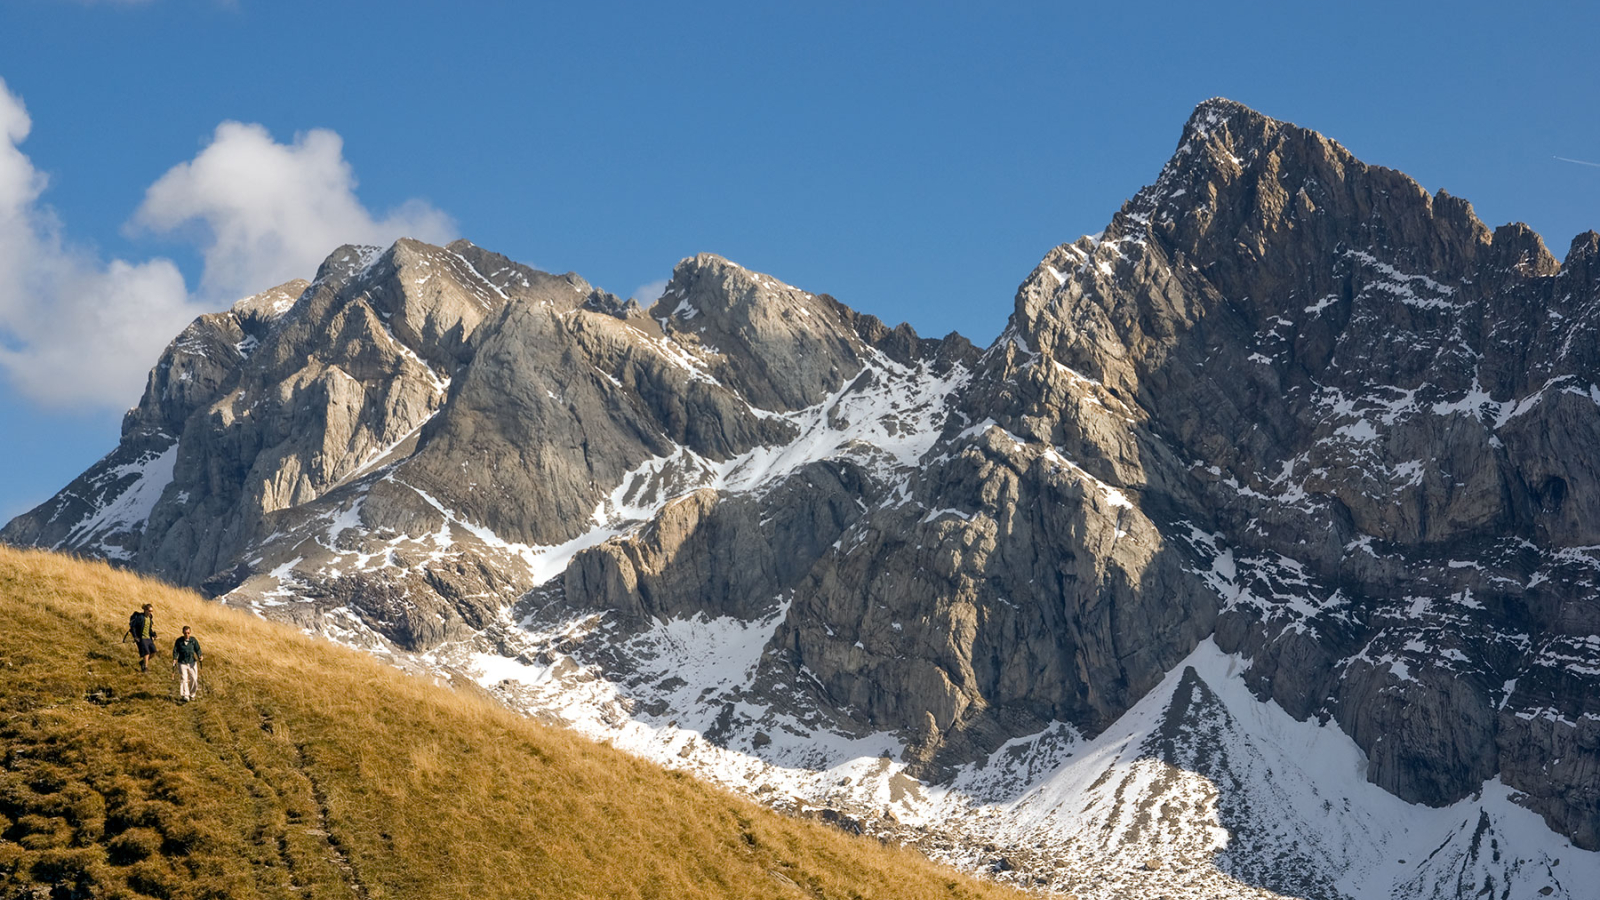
[186, 650]
[142, 624]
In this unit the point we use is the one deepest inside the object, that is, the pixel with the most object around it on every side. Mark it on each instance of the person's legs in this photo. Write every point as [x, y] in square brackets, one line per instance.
[190, 674]
[147, 650]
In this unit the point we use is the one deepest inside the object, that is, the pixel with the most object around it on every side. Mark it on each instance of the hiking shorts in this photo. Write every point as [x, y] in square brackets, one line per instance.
[147, 646]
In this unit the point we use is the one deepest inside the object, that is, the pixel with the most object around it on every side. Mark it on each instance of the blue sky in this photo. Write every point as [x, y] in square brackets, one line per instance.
[914, 160]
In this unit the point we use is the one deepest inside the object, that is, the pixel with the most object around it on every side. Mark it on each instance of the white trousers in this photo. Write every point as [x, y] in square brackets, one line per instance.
[189, 684]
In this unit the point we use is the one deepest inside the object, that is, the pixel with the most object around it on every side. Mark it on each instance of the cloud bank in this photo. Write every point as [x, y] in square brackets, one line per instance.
[77, 331]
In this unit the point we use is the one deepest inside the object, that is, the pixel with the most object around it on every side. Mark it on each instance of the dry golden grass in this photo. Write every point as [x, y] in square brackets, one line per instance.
[309, 770]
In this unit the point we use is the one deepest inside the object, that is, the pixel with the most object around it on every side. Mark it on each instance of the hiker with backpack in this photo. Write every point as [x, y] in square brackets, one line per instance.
[142, 628]
[186, 659]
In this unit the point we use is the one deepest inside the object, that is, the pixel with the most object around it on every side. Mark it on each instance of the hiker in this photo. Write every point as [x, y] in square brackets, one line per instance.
[142, 628]
[186, 659]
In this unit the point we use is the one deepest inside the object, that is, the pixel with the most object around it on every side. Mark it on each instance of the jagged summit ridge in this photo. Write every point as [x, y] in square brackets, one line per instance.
[1289, 412]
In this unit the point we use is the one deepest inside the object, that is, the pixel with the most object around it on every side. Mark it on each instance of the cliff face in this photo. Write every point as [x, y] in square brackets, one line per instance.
[1375, 416]
[1287, 407]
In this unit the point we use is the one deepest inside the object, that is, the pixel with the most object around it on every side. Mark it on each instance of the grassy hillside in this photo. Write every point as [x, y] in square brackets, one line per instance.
[308, 770]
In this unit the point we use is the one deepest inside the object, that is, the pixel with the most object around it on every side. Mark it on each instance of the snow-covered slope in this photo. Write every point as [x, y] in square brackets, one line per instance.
[1200, 790]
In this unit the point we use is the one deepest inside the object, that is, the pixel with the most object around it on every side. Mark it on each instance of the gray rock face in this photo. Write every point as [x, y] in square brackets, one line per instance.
[1394, 420]
[1286, 401]
[781, 348]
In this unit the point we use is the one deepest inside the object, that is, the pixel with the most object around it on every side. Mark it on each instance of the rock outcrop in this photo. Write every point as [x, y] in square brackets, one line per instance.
[1287, 403]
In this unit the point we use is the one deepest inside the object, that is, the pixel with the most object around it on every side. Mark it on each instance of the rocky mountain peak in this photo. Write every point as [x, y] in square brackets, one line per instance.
[703, 266]
[517, 279]
[345, 261]
[268, 306]
[1516, 248]
[1241, 178]
[1582, 263]
[1584, 247]
[707, 290]
[780, 346]
[1255, 217]
[1221, 134]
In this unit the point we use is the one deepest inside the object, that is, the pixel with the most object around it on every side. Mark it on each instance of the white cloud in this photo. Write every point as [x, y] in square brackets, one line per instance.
[76, 331]
[91, 333]
[647, 294]
[274, 211]
[73, 331]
